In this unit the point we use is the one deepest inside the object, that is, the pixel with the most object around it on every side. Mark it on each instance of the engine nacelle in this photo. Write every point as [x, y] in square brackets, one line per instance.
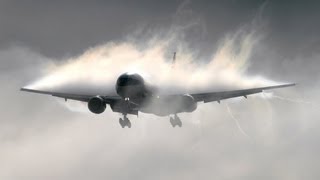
[188, 103]
[97, 105]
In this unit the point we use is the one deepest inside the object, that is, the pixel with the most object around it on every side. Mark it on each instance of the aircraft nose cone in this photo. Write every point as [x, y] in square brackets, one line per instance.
[128, 84]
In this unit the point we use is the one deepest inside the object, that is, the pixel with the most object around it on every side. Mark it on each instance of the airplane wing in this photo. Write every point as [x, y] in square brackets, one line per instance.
[217, 96]
[77, 97]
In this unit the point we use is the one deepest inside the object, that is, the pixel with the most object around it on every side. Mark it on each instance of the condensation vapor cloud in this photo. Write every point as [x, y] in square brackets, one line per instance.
[150, 54]
[97, 68]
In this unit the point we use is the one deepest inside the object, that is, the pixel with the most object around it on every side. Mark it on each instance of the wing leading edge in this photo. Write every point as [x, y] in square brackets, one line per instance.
[77, 97]
[201, 97]
[217, 96]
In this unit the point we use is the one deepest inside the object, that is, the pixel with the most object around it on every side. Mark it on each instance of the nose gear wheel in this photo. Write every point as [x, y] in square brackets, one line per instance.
[125, 122]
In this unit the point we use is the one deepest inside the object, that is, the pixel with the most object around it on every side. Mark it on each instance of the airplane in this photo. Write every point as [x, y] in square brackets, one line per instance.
[134, 95]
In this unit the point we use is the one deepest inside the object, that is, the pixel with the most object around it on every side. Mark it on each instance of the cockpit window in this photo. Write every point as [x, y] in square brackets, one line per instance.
[127, 81]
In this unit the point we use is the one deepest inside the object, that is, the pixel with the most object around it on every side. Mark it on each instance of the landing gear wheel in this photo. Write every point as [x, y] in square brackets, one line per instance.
[122, 123]
[178, 121]
[172, 121]
[128, 123]
[175, 121]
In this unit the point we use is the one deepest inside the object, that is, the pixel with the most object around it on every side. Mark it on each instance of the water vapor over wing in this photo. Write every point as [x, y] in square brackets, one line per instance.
[97, 69]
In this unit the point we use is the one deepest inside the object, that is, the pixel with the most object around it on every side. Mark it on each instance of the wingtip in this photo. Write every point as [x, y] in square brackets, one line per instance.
[24, 89]
[28, 90]
[289, 85]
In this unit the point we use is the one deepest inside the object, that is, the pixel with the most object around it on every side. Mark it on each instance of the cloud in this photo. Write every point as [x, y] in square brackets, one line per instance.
[96, 70]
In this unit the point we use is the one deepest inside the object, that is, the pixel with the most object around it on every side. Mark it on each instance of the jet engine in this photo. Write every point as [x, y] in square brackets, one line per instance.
[188, 103]
[97, 105]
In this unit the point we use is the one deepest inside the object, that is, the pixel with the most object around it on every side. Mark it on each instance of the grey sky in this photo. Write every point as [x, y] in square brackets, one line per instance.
[42, 139]
[68, 27]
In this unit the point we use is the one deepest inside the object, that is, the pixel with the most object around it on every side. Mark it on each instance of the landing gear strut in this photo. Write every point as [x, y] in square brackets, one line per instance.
[175, 121]
[125, 121]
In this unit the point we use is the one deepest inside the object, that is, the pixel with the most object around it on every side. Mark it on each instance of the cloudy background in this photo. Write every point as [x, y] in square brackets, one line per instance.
[42, 137]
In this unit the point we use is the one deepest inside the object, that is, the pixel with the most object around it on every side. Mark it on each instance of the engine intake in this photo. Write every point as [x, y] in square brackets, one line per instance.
[188, 103]
[97, 105]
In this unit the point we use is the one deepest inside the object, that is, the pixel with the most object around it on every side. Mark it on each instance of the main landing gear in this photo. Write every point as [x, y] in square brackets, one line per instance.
[175, 121]
[125, 121]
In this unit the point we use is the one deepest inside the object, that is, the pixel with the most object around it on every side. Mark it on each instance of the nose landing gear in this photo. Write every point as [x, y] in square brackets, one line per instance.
[125, 121]
[175, 121]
